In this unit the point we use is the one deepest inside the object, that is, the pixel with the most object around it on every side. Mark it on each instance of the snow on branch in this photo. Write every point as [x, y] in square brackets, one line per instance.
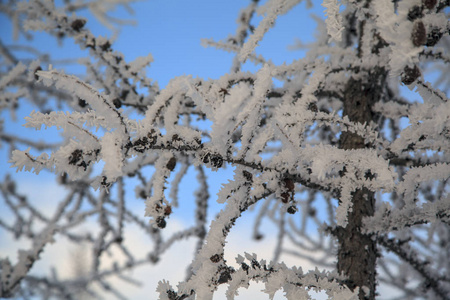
[388, 219]
[333, 20]
[256, 59]
[436, 282]
[15, 72]
[415, 176]
[100, 103]
[293, 281]
[7, 79]
[324, 135]
[12, 275]
[273, 10]
[71, 123]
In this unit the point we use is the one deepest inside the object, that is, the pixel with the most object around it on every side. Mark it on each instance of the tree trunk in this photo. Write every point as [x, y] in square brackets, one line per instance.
[357, 252]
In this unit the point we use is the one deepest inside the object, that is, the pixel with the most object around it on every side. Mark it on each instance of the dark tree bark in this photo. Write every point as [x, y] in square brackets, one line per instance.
[357, 252]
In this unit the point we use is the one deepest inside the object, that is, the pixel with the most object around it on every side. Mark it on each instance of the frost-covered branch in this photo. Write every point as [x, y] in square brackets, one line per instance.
[326, 143]
[437, 283]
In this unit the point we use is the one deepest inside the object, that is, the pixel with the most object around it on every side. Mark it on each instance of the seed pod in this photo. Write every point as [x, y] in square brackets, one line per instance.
[284, 197]
[216, 160]
[245, 267]
[215, 258]
[247, 175]
[117, 103]
[78, 24]
[312, 107]
[258, 236]
[289, 184]
[106, 46]
[82, 103]
[175, 138]
[292, 209]
[419, 34]
[224, 277]
[409, 75]
[171, 163]
[75, 156]
[153, 258]
[224, 91]
[433, 37]
[429, 3]
[415, 13]
[206, 158]
[35, 71]
[167, 210]
[160, 222]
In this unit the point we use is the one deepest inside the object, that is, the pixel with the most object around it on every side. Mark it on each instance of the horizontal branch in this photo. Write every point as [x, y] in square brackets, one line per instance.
[431, 279]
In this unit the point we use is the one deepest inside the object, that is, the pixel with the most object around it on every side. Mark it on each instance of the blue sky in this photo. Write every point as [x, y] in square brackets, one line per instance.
[172, 32]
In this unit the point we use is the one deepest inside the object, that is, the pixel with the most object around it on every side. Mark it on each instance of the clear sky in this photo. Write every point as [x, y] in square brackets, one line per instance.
[172, 32]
